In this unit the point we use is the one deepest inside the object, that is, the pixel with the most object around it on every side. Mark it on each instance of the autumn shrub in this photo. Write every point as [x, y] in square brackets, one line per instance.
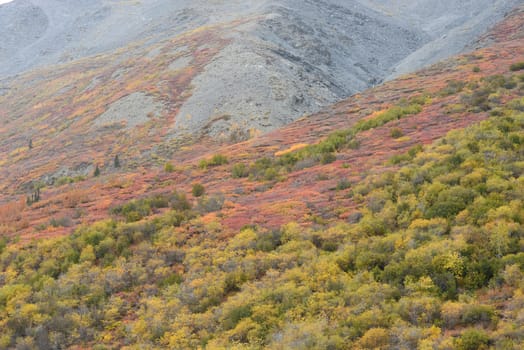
[473, 339]
[451, 313]
[408, 270]
[11, 212]
[324, 151]
[375, 338]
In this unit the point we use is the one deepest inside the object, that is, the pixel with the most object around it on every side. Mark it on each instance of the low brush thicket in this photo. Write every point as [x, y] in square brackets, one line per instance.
[216, 160]
[324, 152]
[434, 260]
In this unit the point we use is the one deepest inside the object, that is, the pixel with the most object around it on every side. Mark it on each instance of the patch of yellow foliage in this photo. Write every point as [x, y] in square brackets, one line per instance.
[293, 148]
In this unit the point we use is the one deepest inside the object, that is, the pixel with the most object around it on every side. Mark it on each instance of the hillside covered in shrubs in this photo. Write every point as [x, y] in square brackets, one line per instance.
[391, 220]
[431, 258]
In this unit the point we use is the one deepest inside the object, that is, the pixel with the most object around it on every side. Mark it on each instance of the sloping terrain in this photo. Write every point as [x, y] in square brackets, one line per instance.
[283, 59]
[391, 220]
[50, 148]
[187, 71]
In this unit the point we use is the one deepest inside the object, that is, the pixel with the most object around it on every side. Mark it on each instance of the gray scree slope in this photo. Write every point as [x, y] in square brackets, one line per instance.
[291, 58]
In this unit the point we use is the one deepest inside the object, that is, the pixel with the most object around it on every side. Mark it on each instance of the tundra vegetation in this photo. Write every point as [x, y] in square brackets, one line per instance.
[433, 260]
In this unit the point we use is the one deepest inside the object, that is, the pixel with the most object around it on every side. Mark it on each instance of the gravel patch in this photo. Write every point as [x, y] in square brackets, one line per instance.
[132, 110]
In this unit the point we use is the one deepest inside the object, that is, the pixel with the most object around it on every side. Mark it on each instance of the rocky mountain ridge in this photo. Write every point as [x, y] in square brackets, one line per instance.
[285, 59]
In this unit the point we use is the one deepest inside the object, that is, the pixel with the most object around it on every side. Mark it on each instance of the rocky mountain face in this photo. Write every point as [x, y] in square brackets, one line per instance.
[85, 81]
[283, 58]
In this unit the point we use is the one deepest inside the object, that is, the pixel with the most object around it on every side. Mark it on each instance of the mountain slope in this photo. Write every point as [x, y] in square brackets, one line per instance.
[134, 177]
[283, 59]
[193, 72]
[393, 219]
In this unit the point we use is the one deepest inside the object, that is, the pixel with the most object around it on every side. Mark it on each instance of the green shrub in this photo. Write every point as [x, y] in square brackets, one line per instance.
[450, 202]
[179, 202]
[473, 339]
[198, 190]
[235, 315]
[413, 151]
[394, 113]
[478, 314]
[354, 144]
[216, 160]
[516, 66]
[239, 170]
[396, 133]
[170, 280]
[210, 204]
[133, 211]
[61, 222]
[324, 151]
[343, 184]
[168, 167]
[137, 209]
[327, 158]
[203, 164]
[399, 158]
[68, 180]
[453, 87]
[268, 241]
[270, 174]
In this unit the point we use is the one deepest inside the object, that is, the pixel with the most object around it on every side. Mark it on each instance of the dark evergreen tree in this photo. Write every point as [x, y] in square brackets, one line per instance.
[117, 161]
[34, 197]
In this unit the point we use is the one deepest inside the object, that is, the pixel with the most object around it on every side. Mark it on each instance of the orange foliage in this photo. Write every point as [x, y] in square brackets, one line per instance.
[291, 149]
[12, 212]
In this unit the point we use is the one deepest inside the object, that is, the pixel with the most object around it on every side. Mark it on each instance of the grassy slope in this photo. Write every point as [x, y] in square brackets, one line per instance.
[422, 249]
